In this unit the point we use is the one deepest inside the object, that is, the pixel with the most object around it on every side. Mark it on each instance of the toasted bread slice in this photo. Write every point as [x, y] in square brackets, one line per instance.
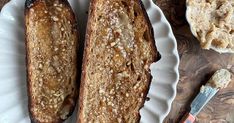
[119, 50]
[51, 49]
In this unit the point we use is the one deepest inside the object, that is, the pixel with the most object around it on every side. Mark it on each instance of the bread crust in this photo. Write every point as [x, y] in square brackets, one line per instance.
[66, 105]
[87, 38]
[156, 56]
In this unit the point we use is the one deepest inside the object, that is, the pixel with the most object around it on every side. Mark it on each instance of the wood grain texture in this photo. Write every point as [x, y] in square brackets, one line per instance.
[196, 67]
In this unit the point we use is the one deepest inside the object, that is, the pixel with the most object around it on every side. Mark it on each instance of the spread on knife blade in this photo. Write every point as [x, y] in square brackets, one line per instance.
[220, 79]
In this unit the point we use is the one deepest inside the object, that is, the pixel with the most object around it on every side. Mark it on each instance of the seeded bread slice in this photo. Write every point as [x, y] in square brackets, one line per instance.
[119, 49]
[51, 44]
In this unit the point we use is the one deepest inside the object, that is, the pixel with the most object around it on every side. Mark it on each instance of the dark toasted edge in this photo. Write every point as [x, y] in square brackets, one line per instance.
[29, 4]
[84, 63]
[156, 57]
[87, 39]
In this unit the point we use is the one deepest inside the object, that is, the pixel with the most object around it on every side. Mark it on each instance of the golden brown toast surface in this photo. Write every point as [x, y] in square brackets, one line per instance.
[51, 44]
[119, 50]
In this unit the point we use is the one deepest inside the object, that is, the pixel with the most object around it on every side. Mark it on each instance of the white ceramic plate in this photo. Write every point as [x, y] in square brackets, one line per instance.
[13, 96]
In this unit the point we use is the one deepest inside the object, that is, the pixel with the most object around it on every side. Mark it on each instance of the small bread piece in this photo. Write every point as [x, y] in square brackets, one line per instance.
[119, 50]
[51, 49]
[212, 23]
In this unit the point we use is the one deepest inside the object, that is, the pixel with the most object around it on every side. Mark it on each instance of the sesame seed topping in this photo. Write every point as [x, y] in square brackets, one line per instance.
[40, 80]
[32, 10]
[62, 29]
[55, 49]
[40, 66]
[127, 95]
[55, 18]
[113, 44]
[58, 8]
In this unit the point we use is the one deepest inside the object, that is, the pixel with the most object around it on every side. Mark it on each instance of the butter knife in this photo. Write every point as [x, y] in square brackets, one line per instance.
[219, 80]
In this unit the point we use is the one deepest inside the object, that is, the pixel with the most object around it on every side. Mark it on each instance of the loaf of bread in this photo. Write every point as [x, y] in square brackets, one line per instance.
[51, 49]
[119, 50]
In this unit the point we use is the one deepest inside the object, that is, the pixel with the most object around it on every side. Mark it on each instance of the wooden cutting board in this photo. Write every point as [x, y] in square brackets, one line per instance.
[196, 66]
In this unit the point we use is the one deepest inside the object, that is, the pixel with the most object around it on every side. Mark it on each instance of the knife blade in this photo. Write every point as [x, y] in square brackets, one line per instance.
[204, 96]
[219, 80]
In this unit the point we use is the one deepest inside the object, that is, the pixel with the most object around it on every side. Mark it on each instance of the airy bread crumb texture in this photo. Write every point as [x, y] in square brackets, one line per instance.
[52, 45]
[212, 22]
[119, 53]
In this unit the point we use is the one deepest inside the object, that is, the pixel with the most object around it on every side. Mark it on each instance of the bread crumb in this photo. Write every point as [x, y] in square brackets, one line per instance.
[211, 23]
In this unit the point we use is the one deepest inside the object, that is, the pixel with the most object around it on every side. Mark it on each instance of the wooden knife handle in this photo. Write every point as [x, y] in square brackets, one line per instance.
[189, 118]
